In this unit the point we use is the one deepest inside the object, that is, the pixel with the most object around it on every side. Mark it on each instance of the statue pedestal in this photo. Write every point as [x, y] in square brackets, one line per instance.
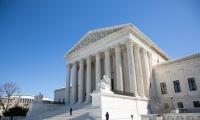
[98, 95]
[118, 106]
[36, 107]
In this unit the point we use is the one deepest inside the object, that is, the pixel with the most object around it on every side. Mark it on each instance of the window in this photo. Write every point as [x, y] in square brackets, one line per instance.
[180, 104]
[177, 87]
[196, 103]
[192, 84]
[163, 88]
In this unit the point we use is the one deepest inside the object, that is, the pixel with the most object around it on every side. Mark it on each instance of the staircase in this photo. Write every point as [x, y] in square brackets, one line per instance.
[80, 112]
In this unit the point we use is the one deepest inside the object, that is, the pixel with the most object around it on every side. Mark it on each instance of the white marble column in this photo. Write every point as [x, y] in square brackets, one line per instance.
[152, 82]
[74, 84]
[107, 63]
[80, 82]
[118, 68]
[98, 69]
[131, 69]
[138, 70]
[145, 71]
[67, 99]
[88, 79]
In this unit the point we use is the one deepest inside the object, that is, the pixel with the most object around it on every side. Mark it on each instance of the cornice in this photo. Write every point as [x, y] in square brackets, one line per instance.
[59, 89]
[112, 40]
[178, 60]
[129, 28]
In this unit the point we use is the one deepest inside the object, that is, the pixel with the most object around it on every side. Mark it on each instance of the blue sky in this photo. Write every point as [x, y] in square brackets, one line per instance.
[35, 34]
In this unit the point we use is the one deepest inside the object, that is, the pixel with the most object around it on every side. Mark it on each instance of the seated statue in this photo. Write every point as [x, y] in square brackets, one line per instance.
[38, 98]
[104, 84]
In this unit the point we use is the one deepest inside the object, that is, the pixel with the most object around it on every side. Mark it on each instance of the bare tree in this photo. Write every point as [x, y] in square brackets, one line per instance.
[1, 100]
[8, 89]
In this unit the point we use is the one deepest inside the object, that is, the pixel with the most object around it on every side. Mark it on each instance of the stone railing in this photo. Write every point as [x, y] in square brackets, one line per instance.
[53, 102]
[123, 93]
[172, 116]
[181, 116]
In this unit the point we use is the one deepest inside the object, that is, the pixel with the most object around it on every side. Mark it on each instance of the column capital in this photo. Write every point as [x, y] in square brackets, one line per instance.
[117, 48]
[69, 65]
[88, 57]
[143, 50]
[97, 54]
[106, 50]
[129, 42]
[135, 45]
[81, 61]
[74, 63]
[149, 54]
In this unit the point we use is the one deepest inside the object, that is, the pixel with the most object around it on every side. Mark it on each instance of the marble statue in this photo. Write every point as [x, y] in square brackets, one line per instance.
[104, 84]
[38, 98]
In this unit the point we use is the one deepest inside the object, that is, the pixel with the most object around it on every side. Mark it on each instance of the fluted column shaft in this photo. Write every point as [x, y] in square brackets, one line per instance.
[118, 68]
[80, 82]
[138, 67]
[98, 69]
[107, 63]
[131, 69]
[74, 84]
[67, 99]
[145, 71]
[152, 82]
[88, 80]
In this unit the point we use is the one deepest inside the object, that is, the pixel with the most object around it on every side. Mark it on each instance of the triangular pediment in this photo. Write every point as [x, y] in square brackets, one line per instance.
[94, 35]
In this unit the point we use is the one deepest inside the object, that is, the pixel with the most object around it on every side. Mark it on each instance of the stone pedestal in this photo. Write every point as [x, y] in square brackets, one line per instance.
[119, 107]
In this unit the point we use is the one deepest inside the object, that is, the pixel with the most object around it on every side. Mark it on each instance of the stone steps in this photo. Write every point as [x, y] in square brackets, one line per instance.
[80, 112]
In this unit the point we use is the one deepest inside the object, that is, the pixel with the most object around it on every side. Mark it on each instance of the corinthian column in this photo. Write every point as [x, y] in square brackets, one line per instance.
[107, 63]
[88, 80]
[67, 99]
[145, 71]
[98, 69]
[80, 82]
[119, 68]
[131, 69]
[138, 67]
[74, 84]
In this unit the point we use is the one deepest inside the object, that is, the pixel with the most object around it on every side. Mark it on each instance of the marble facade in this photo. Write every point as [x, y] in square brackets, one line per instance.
[121, 52]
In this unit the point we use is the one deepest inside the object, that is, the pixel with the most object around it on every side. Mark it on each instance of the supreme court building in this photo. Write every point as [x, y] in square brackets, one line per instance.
[139, 71]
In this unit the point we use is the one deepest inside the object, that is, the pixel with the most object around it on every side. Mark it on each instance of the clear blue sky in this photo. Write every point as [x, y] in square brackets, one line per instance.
[35, 34]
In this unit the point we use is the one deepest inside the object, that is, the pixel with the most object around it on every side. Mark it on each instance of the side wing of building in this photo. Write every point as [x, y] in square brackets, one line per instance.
[178, 84]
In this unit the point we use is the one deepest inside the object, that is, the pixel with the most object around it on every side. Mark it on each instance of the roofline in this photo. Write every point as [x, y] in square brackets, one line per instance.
[95, 30]
[177, 60]
[59, 89]
[137, 31]
[147, 39]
